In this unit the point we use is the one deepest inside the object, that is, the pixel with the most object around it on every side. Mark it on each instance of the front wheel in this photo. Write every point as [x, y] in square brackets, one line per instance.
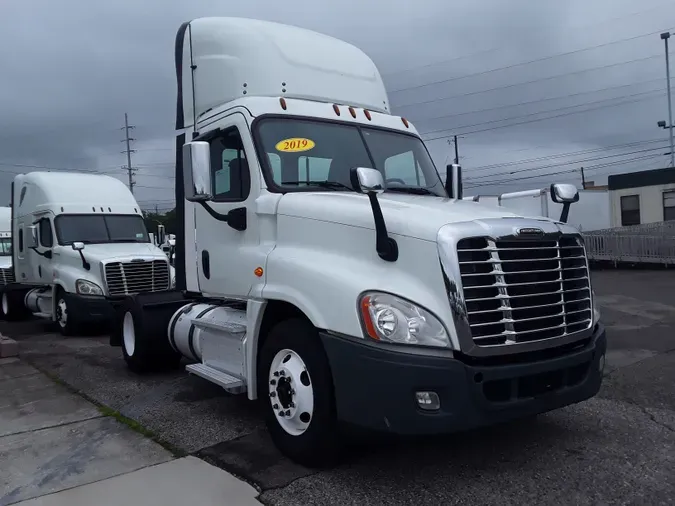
[295, 387]
[64, 316]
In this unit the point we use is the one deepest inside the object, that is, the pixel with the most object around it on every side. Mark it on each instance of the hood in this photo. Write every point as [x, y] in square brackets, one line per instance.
[121, 251]
[418, 216]
[5, 261]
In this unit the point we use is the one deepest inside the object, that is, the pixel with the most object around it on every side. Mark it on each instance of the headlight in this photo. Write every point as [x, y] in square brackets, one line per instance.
[84, 287]
[391, 319]
[596, 311]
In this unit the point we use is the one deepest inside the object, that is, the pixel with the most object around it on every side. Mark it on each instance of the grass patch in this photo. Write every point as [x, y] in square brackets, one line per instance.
[107, 411]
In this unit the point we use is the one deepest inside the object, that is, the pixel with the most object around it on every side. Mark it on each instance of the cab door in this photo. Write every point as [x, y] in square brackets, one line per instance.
[227, 257]
[43, 267]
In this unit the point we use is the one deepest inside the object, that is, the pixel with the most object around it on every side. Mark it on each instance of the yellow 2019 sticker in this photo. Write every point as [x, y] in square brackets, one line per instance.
[295, 145]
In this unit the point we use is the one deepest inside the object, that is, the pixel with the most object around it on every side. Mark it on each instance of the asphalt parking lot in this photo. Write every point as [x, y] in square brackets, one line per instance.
[618, 448]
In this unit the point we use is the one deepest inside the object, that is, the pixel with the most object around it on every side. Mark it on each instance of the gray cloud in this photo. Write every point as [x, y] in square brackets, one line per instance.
[74, 70]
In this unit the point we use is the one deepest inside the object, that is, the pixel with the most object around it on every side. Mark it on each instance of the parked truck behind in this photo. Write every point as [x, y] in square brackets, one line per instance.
[78, 239]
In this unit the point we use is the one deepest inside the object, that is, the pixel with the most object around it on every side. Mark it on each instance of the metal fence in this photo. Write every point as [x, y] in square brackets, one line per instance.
[650, 243]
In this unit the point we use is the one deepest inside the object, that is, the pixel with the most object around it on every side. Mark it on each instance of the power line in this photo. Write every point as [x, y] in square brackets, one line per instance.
[563, 155]
[533, 81]
[540, 119]
[562, 164]
[543, 112]
[595, 167]
[515, 65]
[491, 50]
[519, 104]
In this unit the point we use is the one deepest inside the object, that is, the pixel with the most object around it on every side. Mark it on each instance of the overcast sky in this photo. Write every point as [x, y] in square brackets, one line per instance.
[520, 81]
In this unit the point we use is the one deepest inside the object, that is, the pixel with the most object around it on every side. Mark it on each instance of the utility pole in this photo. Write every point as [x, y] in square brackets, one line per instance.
[130, 170]
[456, 150]
[665, 36]
[583, 179]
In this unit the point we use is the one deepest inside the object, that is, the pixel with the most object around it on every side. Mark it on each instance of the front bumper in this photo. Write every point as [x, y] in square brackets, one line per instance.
[375, 385]
[90, 308]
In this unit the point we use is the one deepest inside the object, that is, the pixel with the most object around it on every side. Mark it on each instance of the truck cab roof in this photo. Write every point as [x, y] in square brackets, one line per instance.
[225, 59]
[71, 192]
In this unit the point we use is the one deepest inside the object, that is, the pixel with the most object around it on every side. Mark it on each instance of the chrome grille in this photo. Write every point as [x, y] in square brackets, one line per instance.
[126, 278]
[521, 290]
[6, 276]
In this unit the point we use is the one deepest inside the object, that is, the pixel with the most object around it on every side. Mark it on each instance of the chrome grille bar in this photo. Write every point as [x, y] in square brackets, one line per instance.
[521, 290]
[127, 278]
[6, 276]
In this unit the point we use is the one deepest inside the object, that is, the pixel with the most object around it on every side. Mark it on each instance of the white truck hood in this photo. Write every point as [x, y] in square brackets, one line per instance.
[5, 262]
[121, 251]
[417, 216]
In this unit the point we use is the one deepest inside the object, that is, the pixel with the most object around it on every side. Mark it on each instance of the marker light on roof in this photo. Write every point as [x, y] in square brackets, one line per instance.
[282, 101]
[352, 112]
[367, 113]
[336, 109]
[405, 122]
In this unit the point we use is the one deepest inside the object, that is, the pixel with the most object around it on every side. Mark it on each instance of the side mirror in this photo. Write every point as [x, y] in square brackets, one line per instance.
[367, 180]
[563, 193]
[371, 182]
[32, 237]
[197, 171]
[78, 246]
[161, 234]
[453, 181]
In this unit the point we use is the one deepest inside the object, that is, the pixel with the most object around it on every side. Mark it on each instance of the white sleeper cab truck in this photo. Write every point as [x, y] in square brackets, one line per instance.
[325, 268]
[6, 270]
[78, 240]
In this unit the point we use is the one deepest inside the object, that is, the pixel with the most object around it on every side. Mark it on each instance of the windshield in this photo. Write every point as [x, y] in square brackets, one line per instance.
[5, 246]
[303, 153]
[97, 228]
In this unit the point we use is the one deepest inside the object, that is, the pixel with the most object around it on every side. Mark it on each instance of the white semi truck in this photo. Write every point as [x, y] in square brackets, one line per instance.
[6, 270]
[78, 238]
[324, 268]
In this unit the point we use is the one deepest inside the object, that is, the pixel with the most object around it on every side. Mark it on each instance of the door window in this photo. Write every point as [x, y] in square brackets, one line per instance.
[45, 233]
[229, 166]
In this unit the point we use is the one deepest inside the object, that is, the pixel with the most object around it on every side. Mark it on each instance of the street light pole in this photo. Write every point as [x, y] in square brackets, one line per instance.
[665, 36]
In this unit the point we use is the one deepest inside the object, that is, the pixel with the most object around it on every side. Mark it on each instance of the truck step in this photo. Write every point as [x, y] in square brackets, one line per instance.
[43, 315]
[230, 383]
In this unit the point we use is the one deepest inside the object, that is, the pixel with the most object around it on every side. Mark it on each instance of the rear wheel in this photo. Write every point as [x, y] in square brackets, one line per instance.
[145, 346]
[295, 387]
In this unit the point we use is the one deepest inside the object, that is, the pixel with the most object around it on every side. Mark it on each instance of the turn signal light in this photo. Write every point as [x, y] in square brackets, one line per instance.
[258, 271]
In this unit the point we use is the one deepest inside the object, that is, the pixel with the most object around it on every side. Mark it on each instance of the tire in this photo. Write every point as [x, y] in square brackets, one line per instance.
[145, 344]
[293, 346]
[12, 307]
[66, 319]
[3, 306]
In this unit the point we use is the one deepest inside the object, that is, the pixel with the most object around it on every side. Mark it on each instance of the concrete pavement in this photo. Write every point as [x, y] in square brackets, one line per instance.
[618, 448]
[56, 449]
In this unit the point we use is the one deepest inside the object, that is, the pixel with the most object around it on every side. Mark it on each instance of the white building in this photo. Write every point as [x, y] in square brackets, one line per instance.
[642, 197]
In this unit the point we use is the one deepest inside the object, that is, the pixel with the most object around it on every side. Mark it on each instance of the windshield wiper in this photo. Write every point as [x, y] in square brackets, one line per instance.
[413, 190]
[322, 184]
